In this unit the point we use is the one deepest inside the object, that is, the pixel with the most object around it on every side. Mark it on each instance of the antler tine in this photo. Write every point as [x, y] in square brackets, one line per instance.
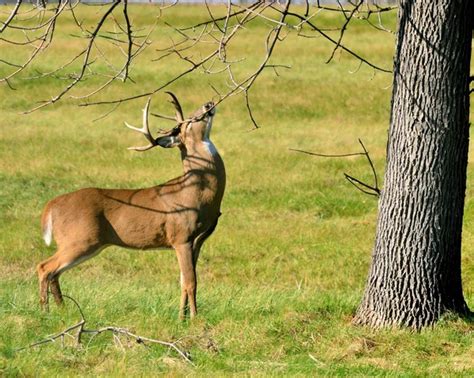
[177, 106]
[145, 130]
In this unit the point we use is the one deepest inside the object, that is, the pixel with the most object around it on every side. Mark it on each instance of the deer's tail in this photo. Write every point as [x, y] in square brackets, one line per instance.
[47, 225]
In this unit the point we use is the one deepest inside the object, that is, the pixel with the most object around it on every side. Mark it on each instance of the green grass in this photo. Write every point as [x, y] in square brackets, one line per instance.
[282, 275]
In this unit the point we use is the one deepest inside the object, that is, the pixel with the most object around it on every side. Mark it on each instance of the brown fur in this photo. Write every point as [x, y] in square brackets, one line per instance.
[178, 214]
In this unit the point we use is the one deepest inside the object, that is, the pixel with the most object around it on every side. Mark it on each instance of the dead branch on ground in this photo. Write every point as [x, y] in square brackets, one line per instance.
[116, 332]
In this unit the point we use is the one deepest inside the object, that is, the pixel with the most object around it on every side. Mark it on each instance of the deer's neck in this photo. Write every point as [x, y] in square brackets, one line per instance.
[204, 168]
[202, 157]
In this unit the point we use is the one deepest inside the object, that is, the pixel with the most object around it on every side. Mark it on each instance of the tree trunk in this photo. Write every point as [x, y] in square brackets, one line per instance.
[415, 275]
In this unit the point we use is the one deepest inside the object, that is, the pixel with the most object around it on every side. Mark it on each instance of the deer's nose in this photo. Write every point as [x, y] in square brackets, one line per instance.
[209, 107]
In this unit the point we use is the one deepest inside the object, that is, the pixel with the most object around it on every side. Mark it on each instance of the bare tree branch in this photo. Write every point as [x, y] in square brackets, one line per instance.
[214, 20]
[41, 46]
[344, 27]
[130, 40]
[375, 188]
[13, 13]
[86, 62]
[327, 155]
[372, 190]
[205, 46]
[341, 9]
[332, 40]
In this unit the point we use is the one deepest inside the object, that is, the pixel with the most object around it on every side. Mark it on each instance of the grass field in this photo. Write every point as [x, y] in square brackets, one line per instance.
[282, 275]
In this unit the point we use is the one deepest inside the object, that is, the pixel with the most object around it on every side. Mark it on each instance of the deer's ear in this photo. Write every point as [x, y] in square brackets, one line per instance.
[168, 141]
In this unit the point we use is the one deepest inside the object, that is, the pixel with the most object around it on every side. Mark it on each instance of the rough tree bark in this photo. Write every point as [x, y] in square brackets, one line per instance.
[415, 275]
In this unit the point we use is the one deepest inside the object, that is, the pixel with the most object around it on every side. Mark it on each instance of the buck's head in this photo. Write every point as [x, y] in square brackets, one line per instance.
[197, 128]
[187, 133]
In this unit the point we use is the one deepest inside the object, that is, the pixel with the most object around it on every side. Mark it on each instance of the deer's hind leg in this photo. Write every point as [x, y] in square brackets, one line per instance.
[46, 275]
[50, 269]
[56, 290]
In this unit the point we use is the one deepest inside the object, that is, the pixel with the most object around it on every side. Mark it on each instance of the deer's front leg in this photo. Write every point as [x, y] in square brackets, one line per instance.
[184, 253]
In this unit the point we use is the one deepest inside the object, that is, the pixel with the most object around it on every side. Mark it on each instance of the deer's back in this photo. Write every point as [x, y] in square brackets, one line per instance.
[159, 216]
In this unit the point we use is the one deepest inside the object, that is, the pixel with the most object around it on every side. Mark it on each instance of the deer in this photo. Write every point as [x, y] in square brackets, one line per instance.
[179, 214]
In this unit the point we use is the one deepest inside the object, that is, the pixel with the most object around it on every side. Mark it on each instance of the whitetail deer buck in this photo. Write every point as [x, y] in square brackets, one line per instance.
[180, 214]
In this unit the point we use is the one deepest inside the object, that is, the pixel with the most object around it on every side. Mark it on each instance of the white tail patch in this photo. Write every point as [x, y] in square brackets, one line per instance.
[48, 229]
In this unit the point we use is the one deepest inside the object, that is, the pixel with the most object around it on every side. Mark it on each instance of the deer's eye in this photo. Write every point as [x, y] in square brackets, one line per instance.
[176, 131]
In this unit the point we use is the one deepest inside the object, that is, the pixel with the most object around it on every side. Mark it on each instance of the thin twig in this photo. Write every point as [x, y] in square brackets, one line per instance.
[366, 153]
[85, 63]
[11, 17]
[130, 39]
[372, 190]
[343, 29]
[81, 330]
[216, 32]
[341, 46]
[327, 155]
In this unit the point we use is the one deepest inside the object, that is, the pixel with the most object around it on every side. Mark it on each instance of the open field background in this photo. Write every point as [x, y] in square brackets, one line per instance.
[282, 275]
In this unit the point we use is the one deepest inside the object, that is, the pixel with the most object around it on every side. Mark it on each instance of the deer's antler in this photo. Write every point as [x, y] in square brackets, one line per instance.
[177, 106]
[145, 130]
